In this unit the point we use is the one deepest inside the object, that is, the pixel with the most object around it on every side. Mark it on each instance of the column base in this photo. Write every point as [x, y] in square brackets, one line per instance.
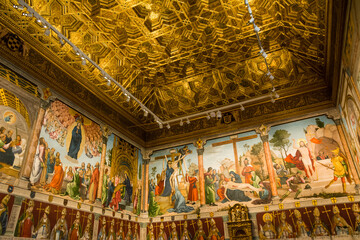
[275, 200]
[144, 215]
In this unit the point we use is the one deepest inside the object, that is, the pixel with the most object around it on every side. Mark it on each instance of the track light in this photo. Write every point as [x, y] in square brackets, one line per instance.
[38, 20]
[242, 107]
[276, 95]
[271, 77]
[108, 83]
[181, 123]
[212, 114]
[160, 125]
[251, 21]
[146, 113]
[127, 97]
[83, 60]
[218, 114]
[208, 117]
[188, 121]
[47, 32]
[27, 14]
[256, 29]
[168, 126]
[18, 7]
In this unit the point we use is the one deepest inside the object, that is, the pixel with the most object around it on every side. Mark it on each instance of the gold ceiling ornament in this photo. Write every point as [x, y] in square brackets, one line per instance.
[195, 56]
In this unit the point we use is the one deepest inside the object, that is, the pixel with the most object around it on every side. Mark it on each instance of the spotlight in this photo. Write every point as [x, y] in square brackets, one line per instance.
[83, 62]
[242, 107]
[38, 20]
[268, 73]
[246, 2]
[160, 125]
[256, 29]
[127, 97]
[218, 114]
[168, 126]
[251, 21]
[271, 77]
[212, 114]
[276, 95]
[27, 14]
[18, 7]
[45, 26]
[181, 123]
[208, 117]
[188, 121]
[264, 54]
[108, 83]
[146, 113]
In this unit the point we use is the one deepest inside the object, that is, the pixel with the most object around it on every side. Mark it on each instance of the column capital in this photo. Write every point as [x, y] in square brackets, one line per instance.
[199, 144]
[105, 133]
[44, 104]
[146, 160]
[146, 153]
[200, 151]
[263, 130]
[334, 114]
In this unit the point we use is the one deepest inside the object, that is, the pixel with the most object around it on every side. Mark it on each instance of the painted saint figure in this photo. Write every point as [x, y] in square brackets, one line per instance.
[4, 212]
[162, 235]
[185, 234]
[121, 234]
[129, 233]
[285, 230]
[214, 233]
[246, 172]
[94, 183]
[193, 192]
[75, 230]
[300, 226]
[356, 211]
[42, 230]
[267, 231]
[60, 230]
[319, 228]
[135, 233]
[25, 225]
[173, 233]
[200, 233]
[112, 234]
[88, 232]
[150, 234]
[38, 163]
[102, 233]
[294, 186]
[57, 180]
[339, 224]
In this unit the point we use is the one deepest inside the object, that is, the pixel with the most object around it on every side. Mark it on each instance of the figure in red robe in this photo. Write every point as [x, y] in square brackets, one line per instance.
[57, 180]
[193, 192]
[246, 172]
[221, 191]
[160, 184]
[25, 225]
[94, 183]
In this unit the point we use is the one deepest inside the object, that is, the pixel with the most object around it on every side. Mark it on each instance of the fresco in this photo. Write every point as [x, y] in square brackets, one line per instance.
[6, 203]
[234, 171]
[13, 140]
[120, 180]
[316, 221]
[309, 160]
[46, 221]
[112, 229]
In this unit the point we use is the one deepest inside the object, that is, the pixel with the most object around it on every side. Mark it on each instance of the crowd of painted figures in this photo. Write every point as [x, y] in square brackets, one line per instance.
[318, 228]
[11, 149]
[213, 232]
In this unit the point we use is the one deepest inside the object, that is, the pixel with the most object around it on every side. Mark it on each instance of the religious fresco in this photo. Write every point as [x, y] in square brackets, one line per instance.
[234, 171]
[120, 180]
[209, 228]
[14, 137]
[316, 221]
[6, 203]
[46, 221]
[112, 229]
[309, 160]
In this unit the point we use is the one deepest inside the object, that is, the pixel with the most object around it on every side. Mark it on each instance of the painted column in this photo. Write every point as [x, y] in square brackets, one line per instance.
[199, 144]
[143, 187]
[96, 226]
[103, 158]
[347, 153]
[34, 139]
[13, 218]
[264, 135]
[226, 229]
[143, 230]
[146, 196]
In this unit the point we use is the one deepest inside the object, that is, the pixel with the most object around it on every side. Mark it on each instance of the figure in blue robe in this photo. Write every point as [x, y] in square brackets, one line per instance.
[236, 195]
[3, 218]
[75, 141]
[128, 189]
[50, 163]
[167, 189]
[180, 203]
[8, 156]
[110, 192]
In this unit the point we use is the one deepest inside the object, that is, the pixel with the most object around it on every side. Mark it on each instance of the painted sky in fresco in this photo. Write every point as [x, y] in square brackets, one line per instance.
[63, 152]
[296, 129]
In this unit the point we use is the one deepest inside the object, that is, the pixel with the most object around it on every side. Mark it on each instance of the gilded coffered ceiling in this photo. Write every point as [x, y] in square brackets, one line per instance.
[180, 57]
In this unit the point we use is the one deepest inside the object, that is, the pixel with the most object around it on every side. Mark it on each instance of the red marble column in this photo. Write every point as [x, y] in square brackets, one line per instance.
[34, 139]
[200, 152]
[352, 168]
[102, 166]
[146, 163]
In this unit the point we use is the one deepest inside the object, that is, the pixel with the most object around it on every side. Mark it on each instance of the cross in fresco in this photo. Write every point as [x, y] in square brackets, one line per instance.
[193, 223]
[234, 140]
[57, 212]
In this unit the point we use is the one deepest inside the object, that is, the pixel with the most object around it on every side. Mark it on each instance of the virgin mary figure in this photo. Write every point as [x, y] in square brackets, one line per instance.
[76, 138]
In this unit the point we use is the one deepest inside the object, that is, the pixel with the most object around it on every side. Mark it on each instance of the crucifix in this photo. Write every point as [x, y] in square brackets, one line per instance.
[193, 224]
[168, 226]
[72, 214]
[40, 210]
[207, 223]
[276, 215]
[327, 213]
[84, 216]
[57, 212]
[181, 224]
[307, 212]
[347, 211]
[234, 140]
